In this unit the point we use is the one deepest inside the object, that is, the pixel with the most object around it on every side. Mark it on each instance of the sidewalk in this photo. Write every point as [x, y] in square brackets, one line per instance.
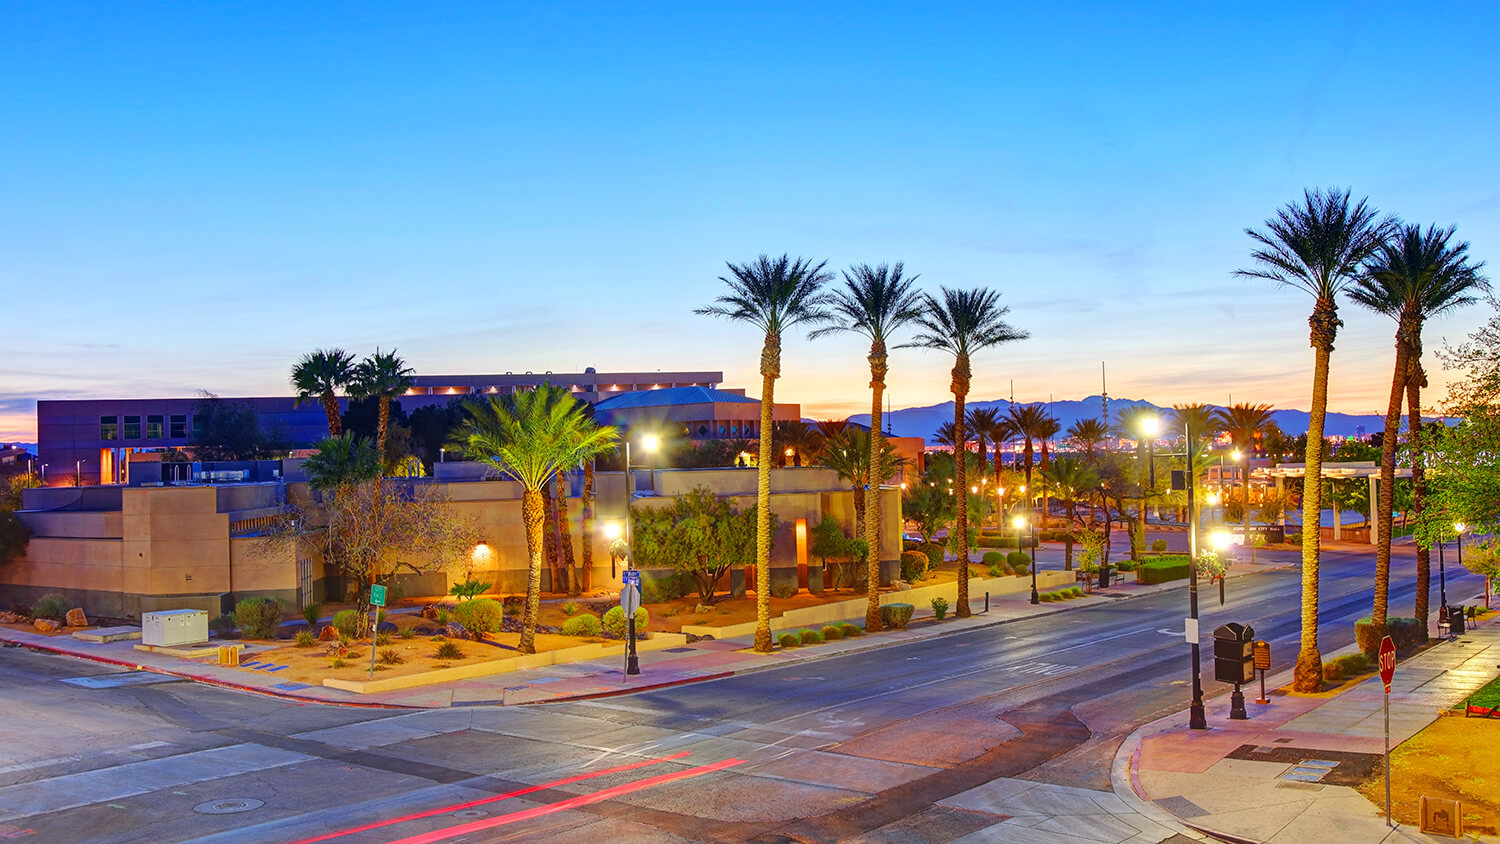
[705, 660]
[1286, 774]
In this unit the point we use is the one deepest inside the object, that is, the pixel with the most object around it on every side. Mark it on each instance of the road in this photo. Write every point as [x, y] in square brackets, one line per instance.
[884, 744]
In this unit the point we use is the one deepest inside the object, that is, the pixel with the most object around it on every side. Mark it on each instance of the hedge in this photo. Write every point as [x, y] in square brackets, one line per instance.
[896, 615]
[914, 565]
[1163, 569]
[996, 542]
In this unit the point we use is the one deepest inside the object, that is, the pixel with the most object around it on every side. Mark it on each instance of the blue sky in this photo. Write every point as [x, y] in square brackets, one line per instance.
[196, 195]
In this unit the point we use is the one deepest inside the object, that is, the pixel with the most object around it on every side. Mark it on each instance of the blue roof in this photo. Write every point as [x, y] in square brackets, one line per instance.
[670, 396]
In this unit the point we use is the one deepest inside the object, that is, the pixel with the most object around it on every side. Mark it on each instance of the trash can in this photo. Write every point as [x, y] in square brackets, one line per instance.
[1456, 620]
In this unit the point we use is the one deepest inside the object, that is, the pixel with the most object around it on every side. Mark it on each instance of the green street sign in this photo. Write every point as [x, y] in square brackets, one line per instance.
[377, 595]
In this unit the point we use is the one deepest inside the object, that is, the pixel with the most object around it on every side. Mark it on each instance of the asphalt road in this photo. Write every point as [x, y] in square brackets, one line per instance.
[865, 745]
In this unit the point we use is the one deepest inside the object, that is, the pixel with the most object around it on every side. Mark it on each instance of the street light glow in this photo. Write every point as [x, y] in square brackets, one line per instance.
[1018, 522]
[1150, 426]
[1235, 455]
[1220, 539]
[611, 530]
[650, 442]
[1459, 526]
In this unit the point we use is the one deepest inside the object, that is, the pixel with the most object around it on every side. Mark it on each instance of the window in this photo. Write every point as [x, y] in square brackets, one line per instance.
[109, 427]
[132, 427]
[197, 425]
[179, 427]
[153, 427]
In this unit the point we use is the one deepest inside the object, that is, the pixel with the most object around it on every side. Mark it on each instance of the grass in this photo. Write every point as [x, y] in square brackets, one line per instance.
[1489, 696]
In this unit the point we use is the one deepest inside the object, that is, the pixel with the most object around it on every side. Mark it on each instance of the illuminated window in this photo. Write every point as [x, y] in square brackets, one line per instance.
[179, 427]
[153, 427]
[109, 427]
[132, 427]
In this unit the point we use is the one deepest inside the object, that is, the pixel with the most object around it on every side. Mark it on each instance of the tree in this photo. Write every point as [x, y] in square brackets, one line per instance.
[11, 489]
[1316, 246]
[345, 459]
[432, 427]
[1203, 420]
[1465, 457]
[1414, 276]
[774, 295]
[796, 442]
[928, 508]
[1072, 481]
[227, 430]
[699, 534]
[1244, 422]
[530, 437]
[838, 552]
[1088, 434]
[849, 455]
[1130, 424]
[321, 374]
[14, 536]
[1045, 432]
[1031, 423]
[983, 422]
[382, 376]
[962, 323]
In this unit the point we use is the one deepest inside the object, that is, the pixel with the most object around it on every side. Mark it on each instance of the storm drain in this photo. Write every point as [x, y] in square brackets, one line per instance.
[1310, 770]
[232, 806]
[471, 813]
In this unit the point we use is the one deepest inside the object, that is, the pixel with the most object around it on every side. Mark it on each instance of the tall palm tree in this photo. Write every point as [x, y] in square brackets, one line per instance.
[997, 430]
[1087, 434]
[1316, 246]
[874, 302]
[1414, 276]
[1244, 422]
[1028, 420]
[1071, 480]
[947, 435]
[1045, 431]
[532, 436]
[321, 374]
[962, 323]
[774, 295]
[383, 375]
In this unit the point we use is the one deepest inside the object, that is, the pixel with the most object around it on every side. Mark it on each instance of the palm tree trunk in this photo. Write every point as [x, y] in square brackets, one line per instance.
[872, 494]
[1308, 674]
[549, 534]
[331, 408]
[1415, 380]
[586, 527]
[532, 516]
[770, 370]
[565, 536]
[1386, 498]
[961, 375]
[385, 419]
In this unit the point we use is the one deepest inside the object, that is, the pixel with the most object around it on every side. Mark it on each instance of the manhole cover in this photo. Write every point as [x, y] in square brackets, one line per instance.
[231, 806]
[471, 813]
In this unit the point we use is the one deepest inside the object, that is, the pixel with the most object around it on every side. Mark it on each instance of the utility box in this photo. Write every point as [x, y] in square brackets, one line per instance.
[1234, 653]
[171, 628]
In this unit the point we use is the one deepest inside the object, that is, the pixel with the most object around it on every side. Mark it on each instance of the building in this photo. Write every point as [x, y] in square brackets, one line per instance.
[703, 413]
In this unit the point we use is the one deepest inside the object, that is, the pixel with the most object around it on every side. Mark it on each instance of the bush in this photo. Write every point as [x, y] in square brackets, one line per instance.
[1367, 637]
[310, 614]
[998, 570]
[1076, 591]
[382, 639]
[1354, 664]
[910, 544]
[789, 640]
[1047, 597]
[992, 559]
[222, 626]
[469, 589]
[851, 630]
[810, 637]
[655, 590]
[1332, 672]
[570, 608]
[833, 633]
[614, 622]
[305, 639]
[390, 656]
[896, 615]
[449, 650]
[408, 633]
[1018, 559]
[940, 608]
[259, 618]
[346, 622]
[1159, 546]
[581, 625]
[479, 616]
[1163, 569]
[785, 589]
[53, 606]
[1123, 565]
[996, 542]
[913, 566]
[934, 553]
[337, 662]
[1405, 632]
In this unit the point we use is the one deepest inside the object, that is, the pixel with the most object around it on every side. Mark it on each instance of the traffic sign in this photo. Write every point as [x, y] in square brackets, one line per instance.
[630, 600]
[377, 595]
[1387, 662]
[632, 577]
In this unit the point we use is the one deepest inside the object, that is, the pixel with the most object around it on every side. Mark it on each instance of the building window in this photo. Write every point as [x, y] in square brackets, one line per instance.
[179, 427]
[153, 427]
[109, 427]
[197, 425]
[132, 427]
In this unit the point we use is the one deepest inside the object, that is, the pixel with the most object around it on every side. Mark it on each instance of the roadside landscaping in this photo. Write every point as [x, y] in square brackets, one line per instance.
[1452, 759]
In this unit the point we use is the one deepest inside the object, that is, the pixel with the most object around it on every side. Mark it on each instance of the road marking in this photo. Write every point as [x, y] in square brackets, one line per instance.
[572, 803]
[1045, 669]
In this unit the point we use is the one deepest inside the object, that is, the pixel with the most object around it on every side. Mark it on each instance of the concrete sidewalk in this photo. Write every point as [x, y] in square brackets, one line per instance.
[699, 661]
[1277, 777]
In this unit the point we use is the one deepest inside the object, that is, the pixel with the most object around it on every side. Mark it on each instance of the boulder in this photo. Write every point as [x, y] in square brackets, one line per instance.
[11, 618]
[456, 631]
[44, 625]
[76, 618]
[386, 627]
[328, 634]
[430, 611]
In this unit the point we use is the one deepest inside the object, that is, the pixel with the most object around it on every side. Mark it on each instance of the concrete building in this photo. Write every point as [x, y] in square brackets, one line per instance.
[701, 412]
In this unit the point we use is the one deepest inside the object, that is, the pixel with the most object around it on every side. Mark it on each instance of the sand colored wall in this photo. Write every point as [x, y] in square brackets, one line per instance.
[175, 541]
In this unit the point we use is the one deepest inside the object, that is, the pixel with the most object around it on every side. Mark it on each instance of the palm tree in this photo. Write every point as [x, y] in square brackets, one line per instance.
[874, 302]
[1244, 422]
[1071, 480]
[532, 436]
[340, 461]
[947, 435]
[321, 375]
[1316, 246]
[383, 375]
[1415, 275]
[774, 295]
[1045, 432]
[997, 430]
[1202, 419]
[1130, 423]
[961, 323]
[797, 442]
[1087, 434]
[1029, 420]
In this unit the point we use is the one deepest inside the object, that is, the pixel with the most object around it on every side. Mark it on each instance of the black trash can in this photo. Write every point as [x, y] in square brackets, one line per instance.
[1456, 620]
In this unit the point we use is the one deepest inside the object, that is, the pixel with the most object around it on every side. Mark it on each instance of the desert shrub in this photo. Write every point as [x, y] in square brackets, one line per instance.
[449, 650]
[305, 639]
[996, 542]
[581, 625]
[913, 566]
[1017, 559]
[407, 632]
[346, 622]
[1367, 636]
[469, 589]
[382, 639]
[258, 617]
[443, 616]
[53, 606]
[614, 622]
[1076, 591]
[1353, 664]
[1333, 672]
[810, 637]
[851, 630]
[940, 608]
[1021, 568]
[998, 570]
[390, 656]
[1159, 546]
[222, 626]
[1046, 597]
[337, 662]
[833, 632]
[570, 608]
[655, 590]
[1163, 569]
[934, 553]
[896, 615]
[785, 589]
[478, 616]
[310, 614]
[789, 640]
[1294, 538]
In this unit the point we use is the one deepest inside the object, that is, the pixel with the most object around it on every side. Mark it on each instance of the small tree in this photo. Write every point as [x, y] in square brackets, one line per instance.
[700, 534]
[839, 553]
[928, 508]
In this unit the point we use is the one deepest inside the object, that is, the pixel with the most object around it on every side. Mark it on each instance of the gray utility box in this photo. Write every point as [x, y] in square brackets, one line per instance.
[170, 628]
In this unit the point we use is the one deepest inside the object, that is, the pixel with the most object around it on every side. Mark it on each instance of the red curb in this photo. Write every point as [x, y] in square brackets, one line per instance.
[629, 690]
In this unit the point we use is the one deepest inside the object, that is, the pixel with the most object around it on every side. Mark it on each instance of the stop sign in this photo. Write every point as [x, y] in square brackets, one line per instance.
[1387, 662]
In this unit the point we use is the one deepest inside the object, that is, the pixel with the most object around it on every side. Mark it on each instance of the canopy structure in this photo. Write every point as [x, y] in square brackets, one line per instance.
[1367, 469]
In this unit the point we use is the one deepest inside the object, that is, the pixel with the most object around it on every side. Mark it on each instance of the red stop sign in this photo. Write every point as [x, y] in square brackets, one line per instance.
[1387, 662]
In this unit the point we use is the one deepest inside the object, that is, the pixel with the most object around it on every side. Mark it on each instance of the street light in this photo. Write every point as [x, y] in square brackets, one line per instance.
[1197, 719]
[1019, 523]
[1458, 530]
[650, 443]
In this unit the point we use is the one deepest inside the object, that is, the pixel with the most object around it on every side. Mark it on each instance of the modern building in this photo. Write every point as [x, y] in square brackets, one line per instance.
[703, 413]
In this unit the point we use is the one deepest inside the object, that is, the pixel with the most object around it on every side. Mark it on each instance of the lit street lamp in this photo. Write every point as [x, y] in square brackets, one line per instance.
[1020, 524]
[650, 443]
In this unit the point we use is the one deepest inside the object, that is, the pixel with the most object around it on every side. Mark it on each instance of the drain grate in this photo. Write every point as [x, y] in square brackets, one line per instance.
[471, 813]
[230, 806]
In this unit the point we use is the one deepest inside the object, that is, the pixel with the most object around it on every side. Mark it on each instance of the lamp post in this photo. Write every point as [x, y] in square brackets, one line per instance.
[1197, 719]
[649, 443]
[1000, 496]
[1020, 524]
[1458, 540]
[442, 455]
[78, 472]
[1150, 425]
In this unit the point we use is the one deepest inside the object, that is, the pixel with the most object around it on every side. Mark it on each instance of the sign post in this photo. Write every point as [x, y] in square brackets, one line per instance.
[630, 601]
[377, 600]
[1387, 671]
[1262, 665]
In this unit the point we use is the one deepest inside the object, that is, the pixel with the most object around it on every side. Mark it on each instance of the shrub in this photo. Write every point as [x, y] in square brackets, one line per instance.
[851, 630]
[998, 570]
[833, 632]
[449, 650]
[337, 662]
[910, 545]
[810, 637]
[407, 632]
[222, 626]
[614, 622]
[991, 559]
[1019, 560]
[581, 625]
[382, 639]
[1163, 569]
[1366, 636]
[996, 542]
[346, 622]
[469, 589]
[258, 617]
[390, 656]
[443, 616]
[306, 639]
[1405, 632]
[785, 589]
[310, 614]
[913, 566]
[1159, 546]
[570, 608]
[478, 616]
[1353, 664]
[1076, 591]
[655, 590]
[1332, 672]
[53, 606]
[896, 615]
[1046, 597]
[1123, 565]
[1021, 568]
[940, 608]
[934, 553]
[789, 640]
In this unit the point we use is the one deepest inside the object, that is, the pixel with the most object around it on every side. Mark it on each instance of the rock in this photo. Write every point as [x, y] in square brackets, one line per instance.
[44, 625]
[456, 631]
[76, 618]
[11, 618]
[430, 611]
[512, 603]
[702, 608]
[386, 627]
[328, 634]
[901, 586]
